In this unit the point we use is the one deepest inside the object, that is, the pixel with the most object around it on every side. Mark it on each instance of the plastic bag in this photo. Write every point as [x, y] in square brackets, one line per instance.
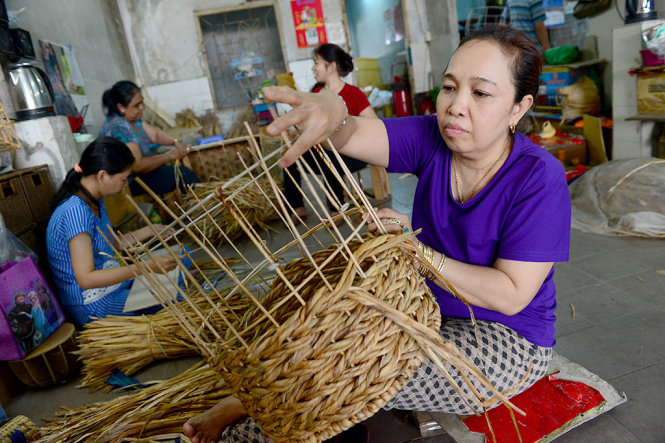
[561, 55]
[653, 39]
[621, 195]
[580, 98]
[11, 247]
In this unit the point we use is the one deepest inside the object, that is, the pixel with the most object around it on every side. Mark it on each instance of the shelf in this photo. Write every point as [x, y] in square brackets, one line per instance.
[575, 65]
[647, 117]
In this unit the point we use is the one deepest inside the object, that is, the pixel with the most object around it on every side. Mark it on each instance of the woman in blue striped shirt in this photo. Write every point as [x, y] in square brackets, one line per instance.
[90, 282]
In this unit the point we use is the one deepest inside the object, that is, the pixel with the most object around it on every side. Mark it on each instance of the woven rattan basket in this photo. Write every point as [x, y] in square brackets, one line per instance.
[220, 160]
[333, 362]
[338, 321]
[19, 428]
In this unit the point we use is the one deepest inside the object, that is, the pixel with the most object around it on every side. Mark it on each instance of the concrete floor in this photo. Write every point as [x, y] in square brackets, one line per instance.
[617, 332]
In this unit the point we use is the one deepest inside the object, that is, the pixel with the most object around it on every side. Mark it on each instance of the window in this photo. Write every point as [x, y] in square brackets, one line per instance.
[242, 49]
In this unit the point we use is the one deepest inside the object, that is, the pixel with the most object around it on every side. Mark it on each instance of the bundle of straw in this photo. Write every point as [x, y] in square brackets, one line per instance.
[156, 410]
[131, 343]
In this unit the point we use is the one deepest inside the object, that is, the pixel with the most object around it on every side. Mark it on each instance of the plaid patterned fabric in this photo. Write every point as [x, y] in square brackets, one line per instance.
[246, 431]
[503, 356]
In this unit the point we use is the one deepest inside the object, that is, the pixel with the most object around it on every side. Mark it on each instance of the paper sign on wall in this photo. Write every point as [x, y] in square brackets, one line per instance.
[308, 19]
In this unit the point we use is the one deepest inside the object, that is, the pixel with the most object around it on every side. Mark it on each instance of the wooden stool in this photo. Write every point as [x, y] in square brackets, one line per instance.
[51, 362]
[380, 182]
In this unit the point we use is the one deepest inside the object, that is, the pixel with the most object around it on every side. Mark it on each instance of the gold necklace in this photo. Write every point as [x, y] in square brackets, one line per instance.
[473, 192]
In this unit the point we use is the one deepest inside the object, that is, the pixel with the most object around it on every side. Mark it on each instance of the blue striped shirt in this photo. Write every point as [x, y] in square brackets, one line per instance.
[523, 15]
[71, 218]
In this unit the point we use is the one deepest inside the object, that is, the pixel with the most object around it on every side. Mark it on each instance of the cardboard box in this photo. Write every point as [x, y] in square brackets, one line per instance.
[30, 311]
[553, 78]
[570, 154]
[651, 93]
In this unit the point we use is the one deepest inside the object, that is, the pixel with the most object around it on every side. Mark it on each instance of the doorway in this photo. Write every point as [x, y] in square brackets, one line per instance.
[377, 31]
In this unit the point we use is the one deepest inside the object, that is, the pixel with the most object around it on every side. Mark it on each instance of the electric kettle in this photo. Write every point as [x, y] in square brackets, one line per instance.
[31, 90]
[640, 10]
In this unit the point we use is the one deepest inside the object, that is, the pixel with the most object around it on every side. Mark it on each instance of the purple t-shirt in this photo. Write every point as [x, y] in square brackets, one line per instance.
[523, 214]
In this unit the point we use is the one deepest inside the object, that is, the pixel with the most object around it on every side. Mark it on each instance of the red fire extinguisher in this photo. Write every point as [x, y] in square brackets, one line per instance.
[401, 95]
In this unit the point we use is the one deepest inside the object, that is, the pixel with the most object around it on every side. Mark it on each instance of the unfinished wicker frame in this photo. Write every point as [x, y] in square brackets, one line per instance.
[329, 337]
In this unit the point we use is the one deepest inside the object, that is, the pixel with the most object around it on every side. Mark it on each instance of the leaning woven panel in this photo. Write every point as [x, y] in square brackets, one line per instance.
[337, 360]
[221, 160]
[8, 139]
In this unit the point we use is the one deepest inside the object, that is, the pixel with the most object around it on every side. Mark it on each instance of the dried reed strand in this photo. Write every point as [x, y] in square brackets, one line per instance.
[625, 177]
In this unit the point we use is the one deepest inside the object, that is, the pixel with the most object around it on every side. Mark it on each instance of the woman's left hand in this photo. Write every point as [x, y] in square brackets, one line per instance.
[394, 222]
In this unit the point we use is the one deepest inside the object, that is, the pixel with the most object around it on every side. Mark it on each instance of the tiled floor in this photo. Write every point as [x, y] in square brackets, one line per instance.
[611, 320]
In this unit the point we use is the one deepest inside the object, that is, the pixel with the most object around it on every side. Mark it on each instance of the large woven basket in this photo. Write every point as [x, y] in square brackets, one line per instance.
[333, 362]
[221, 160]
[328, 338]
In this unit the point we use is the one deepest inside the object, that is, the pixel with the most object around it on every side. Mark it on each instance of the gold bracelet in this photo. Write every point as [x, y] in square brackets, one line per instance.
[442, 263]
[429, 255]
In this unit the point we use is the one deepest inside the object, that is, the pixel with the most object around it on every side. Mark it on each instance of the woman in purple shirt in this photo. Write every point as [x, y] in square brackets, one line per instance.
[494, 210]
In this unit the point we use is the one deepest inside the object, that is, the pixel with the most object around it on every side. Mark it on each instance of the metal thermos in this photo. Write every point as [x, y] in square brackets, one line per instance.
[640, 10]
[32, 92]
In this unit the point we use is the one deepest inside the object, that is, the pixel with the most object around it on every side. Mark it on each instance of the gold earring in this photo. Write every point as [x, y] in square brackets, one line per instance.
[512, 129]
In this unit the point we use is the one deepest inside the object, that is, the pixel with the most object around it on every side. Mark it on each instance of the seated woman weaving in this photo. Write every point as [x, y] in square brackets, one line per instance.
[124, 110]
[494, 210]
[90, 282]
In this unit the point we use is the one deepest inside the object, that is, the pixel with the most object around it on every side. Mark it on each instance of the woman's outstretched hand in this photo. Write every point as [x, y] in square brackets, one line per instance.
[318, 114]
[394, 222]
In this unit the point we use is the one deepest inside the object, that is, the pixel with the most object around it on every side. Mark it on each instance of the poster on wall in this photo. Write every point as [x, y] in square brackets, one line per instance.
[310, 26]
